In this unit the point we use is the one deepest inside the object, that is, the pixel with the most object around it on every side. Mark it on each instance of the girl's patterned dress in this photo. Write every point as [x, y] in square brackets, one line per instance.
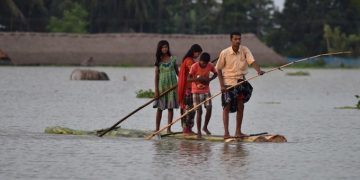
[167, 79]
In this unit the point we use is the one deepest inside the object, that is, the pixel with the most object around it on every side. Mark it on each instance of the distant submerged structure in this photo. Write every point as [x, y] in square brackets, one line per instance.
[135, 49]
[88, 74]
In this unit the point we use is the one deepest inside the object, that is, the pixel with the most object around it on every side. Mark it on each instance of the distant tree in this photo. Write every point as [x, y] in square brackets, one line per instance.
[339, 41]
[74, 20]
[246, 16]
[300, 25]
[17, 15]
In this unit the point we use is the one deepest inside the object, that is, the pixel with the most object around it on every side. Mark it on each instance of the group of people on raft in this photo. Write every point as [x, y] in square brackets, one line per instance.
[193, 80]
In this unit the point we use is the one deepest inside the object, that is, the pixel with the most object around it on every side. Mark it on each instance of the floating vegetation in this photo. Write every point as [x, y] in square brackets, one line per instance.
[116, 132]
[145, 93]
[298, 73]
[63, 130]
[271, 102]
[357, 106]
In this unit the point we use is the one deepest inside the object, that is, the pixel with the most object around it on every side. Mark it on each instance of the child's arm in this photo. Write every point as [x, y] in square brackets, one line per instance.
[214, 76]
[176, 69]
[156, 81]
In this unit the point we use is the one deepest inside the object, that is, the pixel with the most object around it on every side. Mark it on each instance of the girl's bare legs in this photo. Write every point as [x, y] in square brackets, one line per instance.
[158, 119]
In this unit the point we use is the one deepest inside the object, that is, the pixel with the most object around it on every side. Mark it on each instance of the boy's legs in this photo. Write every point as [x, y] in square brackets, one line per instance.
[198, 121]
[197, 100]
[207, 119]
[208, 106]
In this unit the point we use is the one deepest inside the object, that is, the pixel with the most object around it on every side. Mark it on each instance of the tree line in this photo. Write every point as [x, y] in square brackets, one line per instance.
[302, 28]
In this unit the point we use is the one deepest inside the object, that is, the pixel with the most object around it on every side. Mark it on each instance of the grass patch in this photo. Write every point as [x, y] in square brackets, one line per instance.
[271, 102]
[145, 93]
[298, 73]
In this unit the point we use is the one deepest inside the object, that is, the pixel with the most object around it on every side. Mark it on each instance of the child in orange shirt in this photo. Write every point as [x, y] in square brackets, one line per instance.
[200, 77]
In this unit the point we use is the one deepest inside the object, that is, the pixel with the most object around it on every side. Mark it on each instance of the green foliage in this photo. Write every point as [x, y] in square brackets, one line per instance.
[339, 41]
[357, 106]
[358, 103]
[73, 20]
[145, 94]
[297, 31]
[299, 28]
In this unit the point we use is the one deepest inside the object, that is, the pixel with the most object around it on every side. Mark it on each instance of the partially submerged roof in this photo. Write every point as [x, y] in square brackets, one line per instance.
[117, 49]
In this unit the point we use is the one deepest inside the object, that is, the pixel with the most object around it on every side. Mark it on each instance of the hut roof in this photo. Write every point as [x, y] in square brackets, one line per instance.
[117, 49]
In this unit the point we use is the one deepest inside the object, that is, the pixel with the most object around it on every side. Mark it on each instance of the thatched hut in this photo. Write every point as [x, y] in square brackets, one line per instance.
[136, 49]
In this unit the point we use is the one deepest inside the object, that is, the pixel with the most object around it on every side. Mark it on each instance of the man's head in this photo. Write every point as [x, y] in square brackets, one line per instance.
[235, 38]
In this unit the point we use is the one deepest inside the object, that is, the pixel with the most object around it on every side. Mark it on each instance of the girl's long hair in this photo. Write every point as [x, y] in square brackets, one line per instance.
[159, 53]
[193, 48]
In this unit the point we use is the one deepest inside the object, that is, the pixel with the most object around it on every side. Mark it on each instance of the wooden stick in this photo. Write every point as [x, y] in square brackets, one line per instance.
[277, 68]
[104, 131]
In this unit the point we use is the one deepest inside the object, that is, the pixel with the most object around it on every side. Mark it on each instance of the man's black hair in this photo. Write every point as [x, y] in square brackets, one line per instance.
[235, 33]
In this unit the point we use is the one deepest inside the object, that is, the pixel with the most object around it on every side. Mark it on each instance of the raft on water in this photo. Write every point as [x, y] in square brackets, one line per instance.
[122, 132]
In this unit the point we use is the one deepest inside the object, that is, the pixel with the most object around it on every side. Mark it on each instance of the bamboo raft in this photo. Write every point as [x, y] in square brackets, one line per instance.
[217, 138]
[122, 132]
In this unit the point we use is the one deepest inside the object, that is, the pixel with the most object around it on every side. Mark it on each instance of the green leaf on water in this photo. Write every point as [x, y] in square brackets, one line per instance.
[145, 93]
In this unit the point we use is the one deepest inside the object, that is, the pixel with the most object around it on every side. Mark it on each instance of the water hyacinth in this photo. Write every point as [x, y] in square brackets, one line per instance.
[145, 93]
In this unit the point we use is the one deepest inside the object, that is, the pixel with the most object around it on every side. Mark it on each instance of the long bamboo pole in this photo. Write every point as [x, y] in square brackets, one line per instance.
[102, 132]
[266, 72]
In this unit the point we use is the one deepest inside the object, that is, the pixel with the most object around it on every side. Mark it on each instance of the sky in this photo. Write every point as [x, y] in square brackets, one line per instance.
[279, 3]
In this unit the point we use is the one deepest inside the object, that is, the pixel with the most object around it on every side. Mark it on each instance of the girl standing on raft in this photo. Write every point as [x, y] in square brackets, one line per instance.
[166, 71]
[184, 88]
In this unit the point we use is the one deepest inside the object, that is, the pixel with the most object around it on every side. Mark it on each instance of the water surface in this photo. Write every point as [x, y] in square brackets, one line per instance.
[324, 142]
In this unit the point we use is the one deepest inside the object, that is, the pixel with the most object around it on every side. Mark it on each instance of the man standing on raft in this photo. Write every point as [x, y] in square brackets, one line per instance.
[232, 67]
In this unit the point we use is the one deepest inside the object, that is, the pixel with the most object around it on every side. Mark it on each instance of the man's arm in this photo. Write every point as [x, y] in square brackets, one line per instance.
[221, 80]
[257, 68]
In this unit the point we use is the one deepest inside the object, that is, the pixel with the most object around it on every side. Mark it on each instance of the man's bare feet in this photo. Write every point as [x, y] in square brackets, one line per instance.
[241, 135]
[226, 136]
[206, 131]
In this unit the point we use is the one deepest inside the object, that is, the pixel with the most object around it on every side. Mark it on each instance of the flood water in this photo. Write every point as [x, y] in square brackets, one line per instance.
[323, 142]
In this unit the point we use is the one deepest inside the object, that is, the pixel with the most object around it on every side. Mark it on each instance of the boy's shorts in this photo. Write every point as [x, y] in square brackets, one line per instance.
[201, 97]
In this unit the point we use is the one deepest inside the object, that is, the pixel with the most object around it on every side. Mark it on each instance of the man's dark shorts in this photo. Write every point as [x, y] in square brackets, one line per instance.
[241, 92]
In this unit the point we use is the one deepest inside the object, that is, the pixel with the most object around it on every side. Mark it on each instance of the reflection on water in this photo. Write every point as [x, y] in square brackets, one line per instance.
[187, 152]
[234, 155]
[33, 98]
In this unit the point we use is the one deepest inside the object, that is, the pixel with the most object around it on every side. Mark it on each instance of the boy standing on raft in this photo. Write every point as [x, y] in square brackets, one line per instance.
[232, 67]
[200, 77]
